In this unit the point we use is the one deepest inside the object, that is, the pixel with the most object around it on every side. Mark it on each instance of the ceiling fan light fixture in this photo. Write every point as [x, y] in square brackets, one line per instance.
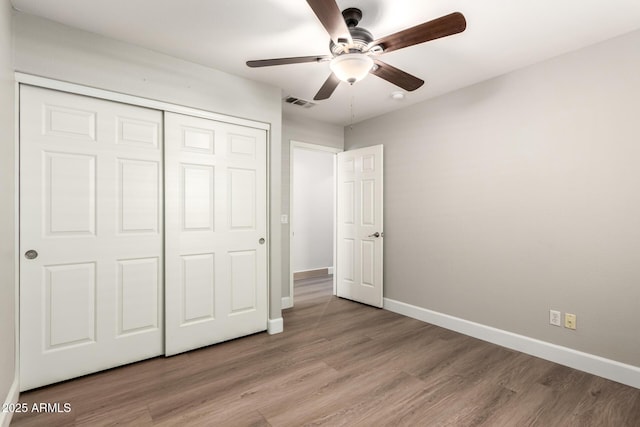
[351, 67]
[352, 47]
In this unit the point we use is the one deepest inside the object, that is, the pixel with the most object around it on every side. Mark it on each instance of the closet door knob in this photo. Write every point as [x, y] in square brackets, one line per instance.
[31, 254]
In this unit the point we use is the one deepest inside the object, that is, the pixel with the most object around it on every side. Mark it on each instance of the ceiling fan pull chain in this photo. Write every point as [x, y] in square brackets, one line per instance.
[352, 112]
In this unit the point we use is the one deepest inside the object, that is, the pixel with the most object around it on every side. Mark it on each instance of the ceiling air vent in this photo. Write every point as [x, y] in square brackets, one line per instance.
[299, 102]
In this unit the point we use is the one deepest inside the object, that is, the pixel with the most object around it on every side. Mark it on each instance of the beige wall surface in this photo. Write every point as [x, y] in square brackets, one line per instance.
[48, 49]
[519, 195]
[312, 132]
[7, 196]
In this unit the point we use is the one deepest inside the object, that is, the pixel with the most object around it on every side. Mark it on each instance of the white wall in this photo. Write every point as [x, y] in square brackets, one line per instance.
[7, 195]
[313, 209]
[312, 132]
[52, 50]
[521, 194]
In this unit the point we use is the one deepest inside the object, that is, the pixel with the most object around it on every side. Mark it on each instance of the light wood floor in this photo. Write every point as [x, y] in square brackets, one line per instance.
[342, 363]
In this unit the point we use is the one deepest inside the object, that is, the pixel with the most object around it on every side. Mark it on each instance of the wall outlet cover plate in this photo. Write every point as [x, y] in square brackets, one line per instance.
[570, 321]
[555, 317]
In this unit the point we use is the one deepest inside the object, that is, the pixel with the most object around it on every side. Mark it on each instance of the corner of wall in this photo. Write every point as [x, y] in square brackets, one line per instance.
[12, 398]
[8, 244]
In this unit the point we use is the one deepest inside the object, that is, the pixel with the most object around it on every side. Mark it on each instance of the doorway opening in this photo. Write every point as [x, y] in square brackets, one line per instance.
[312, 222]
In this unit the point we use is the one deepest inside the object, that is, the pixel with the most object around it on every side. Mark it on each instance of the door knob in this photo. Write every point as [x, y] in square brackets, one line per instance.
[376, 235]
[31, 254]
[261, 241]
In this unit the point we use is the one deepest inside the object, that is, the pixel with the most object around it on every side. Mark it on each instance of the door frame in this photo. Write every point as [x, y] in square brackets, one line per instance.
[288, 302]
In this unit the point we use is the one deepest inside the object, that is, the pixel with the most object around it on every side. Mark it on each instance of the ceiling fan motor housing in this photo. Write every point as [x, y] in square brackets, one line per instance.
[361, 37]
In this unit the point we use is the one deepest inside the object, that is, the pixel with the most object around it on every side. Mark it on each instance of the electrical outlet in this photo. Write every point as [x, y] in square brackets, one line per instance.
[554, 317]
[570, 321]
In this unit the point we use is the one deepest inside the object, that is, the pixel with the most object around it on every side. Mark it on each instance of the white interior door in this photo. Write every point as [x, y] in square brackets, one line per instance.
[90, 235]
[360, 225]
[216, 224]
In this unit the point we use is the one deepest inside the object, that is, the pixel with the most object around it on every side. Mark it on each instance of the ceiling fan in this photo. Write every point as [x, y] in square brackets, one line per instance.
[354, 51]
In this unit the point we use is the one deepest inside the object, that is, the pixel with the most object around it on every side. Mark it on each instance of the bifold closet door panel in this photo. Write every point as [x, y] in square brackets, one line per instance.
[216, 249]
[91, 235]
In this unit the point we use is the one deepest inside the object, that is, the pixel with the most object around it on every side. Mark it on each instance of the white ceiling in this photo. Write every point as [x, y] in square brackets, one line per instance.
[501, 35]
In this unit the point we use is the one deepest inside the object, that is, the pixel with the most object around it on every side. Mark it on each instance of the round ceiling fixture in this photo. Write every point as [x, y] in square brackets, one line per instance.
[351, 67]
[397, 95]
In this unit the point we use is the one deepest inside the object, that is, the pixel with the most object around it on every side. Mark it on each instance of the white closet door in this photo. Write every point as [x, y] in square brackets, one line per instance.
[216, 249]
[91, 208]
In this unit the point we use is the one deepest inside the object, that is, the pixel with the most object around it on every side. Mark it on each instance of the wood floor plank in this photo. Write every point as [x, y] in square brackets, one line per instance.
[604, 402]
[521, 371]
[518, 411]
[387, 394]
[335, 397]
[341, 363]
[276, 391]
[566, 388]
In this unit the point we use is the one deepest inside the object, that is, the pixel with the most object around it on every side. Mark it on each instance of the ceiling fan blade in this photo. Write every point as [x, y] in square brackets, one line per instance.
[447, 25]
[331, 18]
[284, 61]
[327, 88]
[398, 77]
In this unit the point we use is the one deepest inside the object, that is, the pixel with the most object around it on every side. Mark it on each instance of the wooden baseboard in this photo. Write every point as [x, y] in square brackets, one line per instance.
[298, 275]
